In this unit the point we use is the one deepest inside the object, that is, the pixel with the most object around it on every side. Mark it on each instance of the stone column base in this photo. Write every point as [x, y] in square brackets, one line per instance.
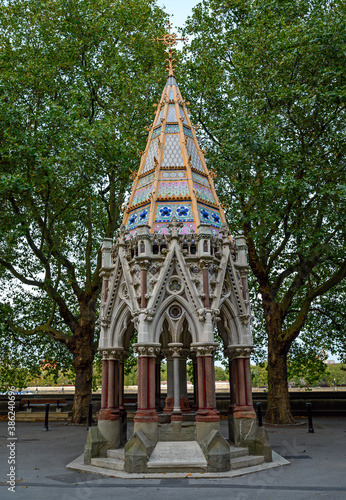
[245, 432]
[214, 446]
[140, 446]
[109, 414]
[207, 416]
[108, 434]
[146, 416]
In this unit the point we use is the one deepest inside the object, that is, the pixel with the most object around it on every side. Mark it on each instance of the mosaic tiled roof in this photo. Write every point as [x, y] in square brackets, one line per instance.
[173, 178]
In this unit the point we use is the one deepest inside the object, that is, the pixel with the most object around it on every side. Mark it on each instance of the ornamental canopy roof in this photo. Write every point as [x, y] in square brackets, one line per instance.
[173, 179]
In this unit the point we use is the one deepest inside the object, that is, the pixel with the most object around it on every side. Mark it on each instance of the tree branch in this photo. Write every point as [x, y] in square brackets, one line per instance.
[16, 274]
[292, 332]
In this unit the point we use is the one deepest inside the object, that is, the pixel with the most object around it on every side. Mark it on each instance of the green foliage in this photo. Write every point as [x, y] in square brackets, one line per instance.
[220, 374]
[266, 80]
[305, 367]
[76, 86]
[259, 375]
[335, 374]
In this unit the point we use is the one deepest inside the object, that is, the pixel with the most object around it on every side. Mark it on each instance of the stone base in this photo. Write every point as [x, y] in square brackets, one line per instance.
[245, 432]
[214, 446]
[140, 446]
[177, 431]
[113, 432]
[96, 445]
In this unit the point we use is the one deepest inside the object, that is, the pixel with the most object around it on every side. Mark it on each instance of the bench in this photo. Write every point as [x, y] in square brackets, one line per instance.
[30, 403]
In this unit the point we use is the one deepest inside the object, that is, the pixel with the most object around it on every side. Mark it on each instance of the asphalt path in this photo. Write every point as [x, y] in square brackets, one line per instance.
[317, 468]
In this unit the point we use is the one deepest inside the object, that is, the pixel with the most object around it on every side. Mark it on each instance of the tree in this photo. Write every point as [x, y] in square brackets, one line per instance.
[76, 88]
[268, 82]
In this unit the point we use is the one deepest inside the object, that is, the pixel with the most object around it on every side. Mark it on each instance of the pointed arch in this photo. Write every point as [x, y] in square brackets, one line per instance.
[162, 314]
[120, 324]
[230, 330]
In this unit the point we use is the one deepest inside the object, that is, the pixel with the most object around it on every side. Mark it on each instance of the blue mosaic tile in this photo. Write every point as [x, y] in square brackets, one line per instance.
[138, 216]
[172, 129]
[156, 132]
[187, 132]
[209, 216]
[165, 212]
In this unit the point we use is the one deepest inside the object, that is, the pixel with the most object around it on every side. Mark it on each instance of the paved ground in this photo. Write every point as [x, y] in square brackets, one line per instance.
[317, 469]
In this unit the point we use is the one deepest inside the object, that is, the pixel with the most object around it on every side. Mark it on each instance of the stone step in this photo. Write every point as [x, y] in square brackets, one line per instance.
[118, 453]
[249, 461]
[108, 463]
[236, 452]
[176, 456]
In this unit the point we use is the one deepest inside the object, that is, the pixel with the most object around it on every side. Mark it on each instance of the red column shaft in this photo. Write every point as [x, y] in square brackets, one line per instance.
[146, 390]
[210, 382]
[248, 385]
[206, 288]
[111, 398]
[244, 283]
[121, 385]
[104, 389]
[142, 383]
[241, 400]
[158, 385]
[151, 383]
[232, 387]
[244, 407]
[116, 384]
[143, 288]
[201, 383]
[105, 289]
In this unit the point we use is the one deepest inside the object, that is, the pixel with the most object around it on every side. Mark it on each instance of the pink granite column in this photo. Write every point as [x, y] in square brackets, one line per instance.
[232, 387]
[243, 407]
[121, 384]
[207, 411]
[146, 411]
[110, 386]
[143, 288]
[104, 388]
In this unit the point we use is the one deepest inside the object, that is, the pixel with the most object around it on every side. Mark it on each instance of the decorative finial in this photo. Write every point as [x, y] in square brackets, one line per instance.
[170, 39]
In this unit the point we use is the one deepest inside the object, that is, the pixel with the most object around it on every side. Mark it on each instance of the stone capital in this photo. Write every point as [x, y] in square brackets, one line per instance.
[204, 349]
[175, 349]
[147, 350]
[238, 351]
[112, 353]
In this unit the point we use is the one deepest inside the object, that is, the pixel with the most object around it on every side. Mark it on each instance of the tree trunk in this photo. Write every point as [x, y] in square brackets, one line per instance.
[83, 357]
[279, 406]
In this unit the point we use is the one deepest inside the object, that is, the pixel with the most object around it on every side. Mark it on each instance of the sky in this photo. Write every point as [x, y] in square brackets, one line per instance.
[178, 10]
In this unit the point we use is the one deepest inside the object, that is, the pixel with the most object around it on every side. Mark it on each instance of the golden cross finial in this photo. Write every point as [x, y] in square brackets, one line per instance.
[170, 39]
